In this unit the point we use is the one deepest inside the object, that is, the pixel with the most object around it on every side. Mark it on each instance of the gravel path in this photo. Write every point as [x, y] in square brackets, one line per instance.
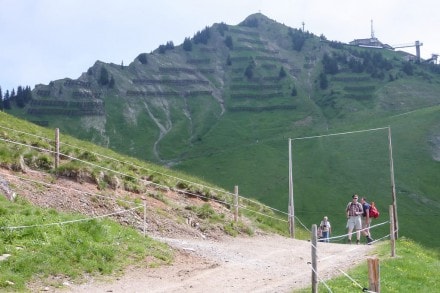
[268, 263]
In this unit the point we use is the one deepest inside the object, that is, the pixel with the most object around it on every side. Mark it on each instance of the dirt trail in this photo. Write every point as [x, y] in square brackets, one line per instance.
[265, 263]
[208, 262]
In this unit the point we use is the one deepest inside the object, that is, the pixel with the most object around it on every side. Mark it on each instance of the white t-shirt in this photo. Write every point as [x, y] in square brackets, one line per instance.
[325, 226]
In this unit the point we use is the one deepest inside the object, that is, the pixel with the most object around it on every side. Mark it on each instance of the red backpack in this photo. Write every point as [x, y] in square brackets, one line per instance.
[374, 213]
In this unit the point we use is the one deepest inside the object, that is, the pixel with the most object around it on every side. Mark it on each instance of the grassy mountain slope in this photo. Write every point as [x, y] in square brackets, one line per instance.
[28, 148]
[85, 217]
[225, 109]
[42, 258]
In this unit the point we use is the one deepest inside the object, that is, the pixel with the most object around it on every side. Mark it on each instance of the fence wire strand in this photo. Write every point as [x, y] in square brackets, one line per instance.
[71, 221]
[320, 279]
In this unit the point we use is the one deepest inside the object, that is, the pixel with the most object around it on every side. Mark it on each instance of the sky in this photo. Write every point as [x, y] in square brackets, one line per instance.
[45, 40]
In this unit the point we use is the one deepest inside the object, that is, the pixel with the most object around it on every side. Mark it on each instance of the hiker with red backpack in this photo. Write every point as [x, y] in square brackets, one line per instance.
[366, 219]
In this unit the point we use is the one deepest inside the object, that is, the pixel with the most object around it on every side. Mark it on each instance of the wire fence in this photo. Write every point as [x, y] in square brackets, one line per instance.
[227, 201]
[134, 206]
[68, 222]
[353, 249]
[343, 236]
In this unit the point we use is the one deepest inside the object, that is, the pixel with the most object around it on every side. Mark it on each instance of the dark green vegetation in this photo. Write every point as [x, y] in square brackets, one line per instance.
[223, 105]
[414, 269]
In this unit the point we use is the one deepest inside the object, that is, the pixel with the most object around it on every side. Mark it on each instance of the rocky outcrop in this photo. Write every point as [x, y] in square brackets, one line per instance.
[5, 190]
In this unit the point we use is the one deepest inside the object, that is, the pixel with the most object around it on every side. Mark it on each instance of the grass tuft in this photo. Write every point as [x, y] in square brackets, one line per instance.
[414, 269]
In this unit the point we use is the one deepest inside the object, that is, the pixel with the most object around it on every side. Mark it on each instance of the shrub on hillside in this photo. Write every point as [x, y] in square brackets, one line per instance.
[142, 58]
[228, 42]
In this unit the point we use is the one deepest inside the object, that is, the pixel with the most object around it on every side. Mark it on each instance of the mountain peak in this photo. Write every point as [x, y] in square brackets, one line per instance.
[255, 19]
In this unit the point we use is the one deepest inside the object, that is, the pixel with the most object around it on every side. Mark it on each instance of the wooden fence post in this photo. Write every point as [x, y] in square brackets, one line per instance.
[392, 232]
[57, 148]
[374, 274]
[144, 200]
[314, 259]
[236, 203]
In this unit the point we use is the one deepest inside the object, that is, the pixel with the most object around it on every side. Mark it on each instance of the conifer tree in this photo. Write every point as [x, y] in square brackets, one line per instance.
[228, 42]
[323, 81]
[294, 91]
[169, 45]
[228, 60]
[249, 72]
[27, 94]
[1, 99]
[19, 99]
[187, 45]
[6, 101]
[202, 36]
[111, 83]
[103, 78]
[282, 73]
[162, 49]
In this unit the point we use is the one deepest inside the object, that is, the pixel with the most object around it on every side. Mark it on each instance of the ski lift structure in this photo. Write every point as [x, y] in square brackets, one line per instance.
[416, 44]
[373, 42]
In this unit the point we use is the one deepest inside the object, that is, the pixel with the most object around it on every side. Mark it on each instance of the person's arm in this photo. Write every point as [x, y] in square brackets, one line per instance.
[360, 210]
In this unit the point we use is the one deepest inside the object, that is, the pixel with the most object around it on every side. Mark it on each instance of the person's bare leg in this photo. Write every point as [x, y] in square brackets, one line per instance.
[349, 234]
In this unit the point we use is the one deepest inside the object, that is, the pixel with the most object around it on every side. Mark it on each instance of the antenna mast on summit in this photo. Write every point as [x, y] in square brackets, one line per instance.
[372, 30]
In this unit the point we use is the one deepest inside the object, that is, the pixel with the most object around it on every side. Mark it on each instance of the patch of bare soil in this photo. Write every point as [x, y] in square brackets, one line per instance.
[206, 260]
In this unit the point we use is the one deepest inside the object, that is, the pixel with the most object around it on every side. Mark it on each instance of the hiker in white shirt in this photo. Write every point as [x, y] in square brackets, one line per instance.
[326, 229]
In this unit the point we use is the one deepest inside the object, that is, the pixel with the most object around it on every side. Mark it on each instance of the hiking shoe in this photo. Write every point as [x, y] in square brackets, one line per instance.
[369, 240]
[349, 241]
[357, 241]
